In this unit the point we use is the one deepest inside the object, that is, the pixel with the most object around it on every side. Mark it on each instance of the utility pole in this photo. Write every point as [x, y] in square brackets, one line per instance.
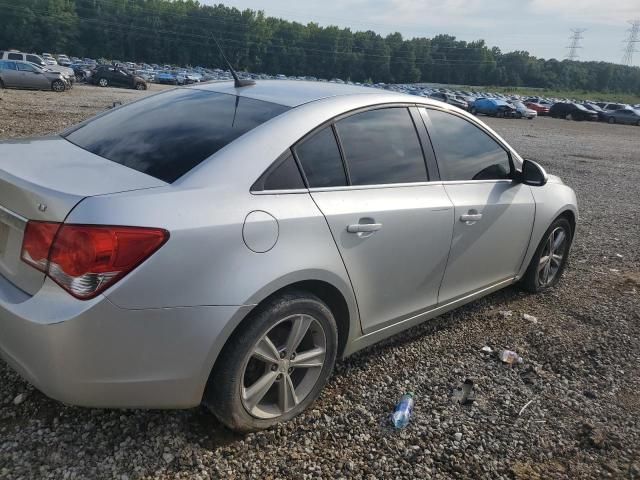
[632, 39]
[575, 43]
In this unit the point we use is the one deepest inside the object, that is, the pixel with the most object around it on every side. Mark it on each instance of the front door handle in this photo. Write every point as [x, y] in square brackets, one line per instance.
[364, 227]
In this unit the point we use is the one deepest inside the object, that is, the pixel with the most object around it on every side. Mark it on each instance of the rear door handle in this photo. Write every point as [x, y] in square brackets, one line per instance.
[364, 227]
[471, 217]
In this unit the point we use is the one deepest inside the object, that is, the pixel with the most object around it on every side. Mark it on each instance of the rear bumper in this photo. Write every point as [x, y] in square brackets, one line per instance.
[97, 354]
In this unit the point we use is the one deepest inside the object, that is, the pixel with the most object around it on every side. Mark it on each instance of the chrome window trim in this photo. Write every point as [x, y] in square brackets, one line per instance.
[12, 219]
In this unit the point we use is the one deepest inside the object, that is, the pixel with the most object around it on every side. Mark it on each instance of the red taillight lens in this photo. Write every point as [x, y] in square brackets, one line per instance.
[87, 259]
[36, 243]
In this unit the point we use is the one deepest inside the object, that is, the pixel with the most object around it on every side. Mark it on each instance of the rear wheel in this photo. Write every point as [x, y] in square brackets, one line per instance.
[473, 111]
[103, 82]
[58, 86]
[518, 115]
[141, 86]
[611, 120]
[276, 366]
[637, 123]
[550, 259]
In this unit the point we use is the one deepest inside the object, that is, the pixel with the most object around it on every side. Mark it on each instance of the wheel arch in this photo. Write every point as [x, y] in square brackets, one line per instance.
[341, 304]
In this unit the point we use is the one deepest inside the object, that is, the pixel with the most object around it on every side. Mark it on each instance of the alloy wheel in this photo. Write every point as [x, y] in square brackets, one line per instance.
[103, 82]
[58, 86]
[552, 257]
[283, 367]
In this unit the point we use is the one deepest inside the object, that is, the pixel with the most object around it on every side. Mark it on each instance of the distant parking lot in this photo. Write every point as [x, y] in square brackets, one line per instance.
[579, 378]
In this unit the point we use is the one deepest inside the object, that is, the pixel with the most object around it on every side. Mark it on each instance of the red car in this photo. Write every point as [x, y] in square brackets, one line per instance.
[541, 109]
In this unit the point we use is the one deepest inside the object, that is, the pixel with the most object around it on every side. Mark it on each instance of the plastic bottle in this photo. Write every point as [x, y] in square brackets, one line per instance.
[403, 411]
[510, 357]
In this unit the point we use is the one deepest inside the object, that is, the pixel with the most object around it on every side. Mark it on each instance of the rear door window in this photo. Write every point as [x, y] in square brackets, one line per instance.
[382, 147]
[320, 158]
[167, 135]
[15, 56]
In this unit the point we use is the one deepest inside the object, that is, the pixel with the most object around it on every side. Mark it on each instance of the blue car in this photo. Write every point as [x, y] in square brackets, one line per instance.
[167, 78]
[492, 107]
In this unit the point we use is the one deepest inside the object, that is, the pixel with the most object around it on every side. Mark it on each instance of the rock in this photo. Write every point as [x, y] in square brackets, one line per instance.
[529, 318]
[167, 457]
[458, 436]
[19, 399]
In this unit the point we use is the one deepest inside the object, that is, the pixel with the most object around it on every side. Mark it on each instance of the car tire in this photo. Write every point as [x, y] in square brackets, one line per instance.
[1, 84]
[103, 82]
[518, 115]
[58, 86]
[637, 123]
[268, 330]
[500, 114]
[79, 78]
[543, 272]
[141, 86]
[473, 111]
[611, 120]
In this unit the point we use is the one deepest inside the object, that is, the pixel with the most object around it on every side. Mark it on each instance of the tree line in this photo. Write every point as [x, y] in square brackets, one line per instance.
[181, 32]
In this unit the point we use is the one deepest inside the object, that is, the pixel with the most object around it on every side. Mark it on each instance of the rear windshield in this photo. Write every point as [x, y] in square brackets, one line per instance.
[167, 135]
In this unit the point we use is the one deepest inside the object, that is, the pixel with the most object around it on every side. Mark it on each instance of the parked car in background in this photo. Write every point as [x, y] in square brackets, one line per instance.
[196, 248]
[626, 116]
[612, 106]
[38, 60]
[492, 107]
[595, 108]
[111, 76]
[539, 108]
[18, 74]
[64, 61]
[167, 77]
[572, 111]
[522, 111]
[450, 99]
[49, 60]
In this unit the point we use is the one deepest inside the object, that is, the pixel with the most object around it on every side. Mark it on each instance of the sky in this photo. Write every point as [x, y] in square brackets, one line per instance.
[541, 27]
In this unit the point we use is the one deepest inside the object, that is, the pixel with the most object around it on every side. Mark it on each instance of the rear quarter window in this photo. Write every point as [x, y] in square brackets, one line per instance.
[167, 135]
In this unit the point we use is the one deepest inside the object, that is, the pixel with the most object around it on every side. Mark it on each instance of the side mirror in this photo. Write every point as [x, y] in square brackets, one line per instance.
[533, 174]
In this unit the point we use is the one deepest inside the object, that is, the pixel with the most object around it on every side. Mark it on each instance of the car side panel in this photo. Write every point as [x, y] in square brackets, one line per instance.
[206, 260]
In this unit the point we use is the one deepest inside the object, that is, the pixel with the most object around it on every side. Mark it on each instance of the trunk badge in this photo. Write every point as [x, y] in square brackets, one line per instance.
[42, 207]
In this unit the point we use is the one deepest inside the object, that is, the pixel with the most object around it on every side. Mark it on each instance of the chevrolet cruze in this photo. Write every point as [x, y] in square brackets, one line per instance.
[226, 245]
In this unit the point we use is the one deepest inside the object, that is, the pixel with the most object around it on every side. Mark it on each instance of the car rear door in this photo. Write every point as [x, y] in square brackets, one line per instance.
[10, 74]
[393, 227]
[493, 213]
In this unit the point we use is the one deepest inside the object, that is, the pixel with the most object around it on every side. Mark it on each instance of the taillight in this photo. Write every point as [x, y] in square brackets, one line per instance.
[87, 259]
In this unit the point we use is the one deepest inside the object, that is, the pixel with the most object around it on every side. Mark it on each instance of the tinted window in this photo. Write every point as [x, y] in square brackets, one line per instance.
[25, 67]
[285, 176]
[382, 146]
[34, 59]
[15, 56]
[167, 135]
[4, 65]
[465, 152]
[321, 161]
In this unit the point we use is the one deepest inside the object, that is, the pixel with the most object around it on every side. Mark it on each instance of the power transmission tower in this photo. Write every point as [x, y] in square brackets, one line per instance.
[575, 43]
[632, 39]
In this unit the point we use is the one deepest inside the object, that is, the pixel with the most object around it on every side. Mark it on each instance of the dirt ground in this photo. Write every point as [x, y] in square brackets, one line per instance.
[579, 380]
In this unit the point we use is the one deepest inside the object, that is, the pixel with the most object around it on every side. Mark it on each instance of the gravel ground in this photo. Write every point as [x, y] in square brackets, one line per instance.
[579, 380]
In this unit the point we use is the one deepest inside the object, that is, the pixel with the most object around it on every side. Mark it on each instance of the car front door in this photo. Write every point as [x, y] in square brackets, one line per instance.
[493, 213]
[30, 77]
[367, 174]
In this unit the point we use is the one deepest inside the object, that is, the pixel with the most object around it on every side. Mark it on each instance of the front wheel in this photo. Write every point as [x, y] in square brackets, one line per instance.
[276, 366]
[58, 86]
[103, 82]
[550, 259]
[518, 115]
[611, 120]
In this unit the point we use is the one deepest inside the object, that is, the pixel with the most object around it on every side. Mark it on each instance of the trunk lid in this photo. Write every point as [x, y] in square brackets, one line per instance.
[44, 179]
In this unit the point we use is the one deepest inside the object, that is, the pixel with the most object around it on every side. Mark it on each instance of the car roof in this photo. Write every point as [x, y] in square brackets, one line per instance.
[290, 93]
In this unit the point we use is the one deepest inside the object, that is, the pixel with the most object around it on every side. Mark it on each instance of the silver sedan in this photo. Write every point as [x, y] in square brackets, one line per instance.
[226, 245]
